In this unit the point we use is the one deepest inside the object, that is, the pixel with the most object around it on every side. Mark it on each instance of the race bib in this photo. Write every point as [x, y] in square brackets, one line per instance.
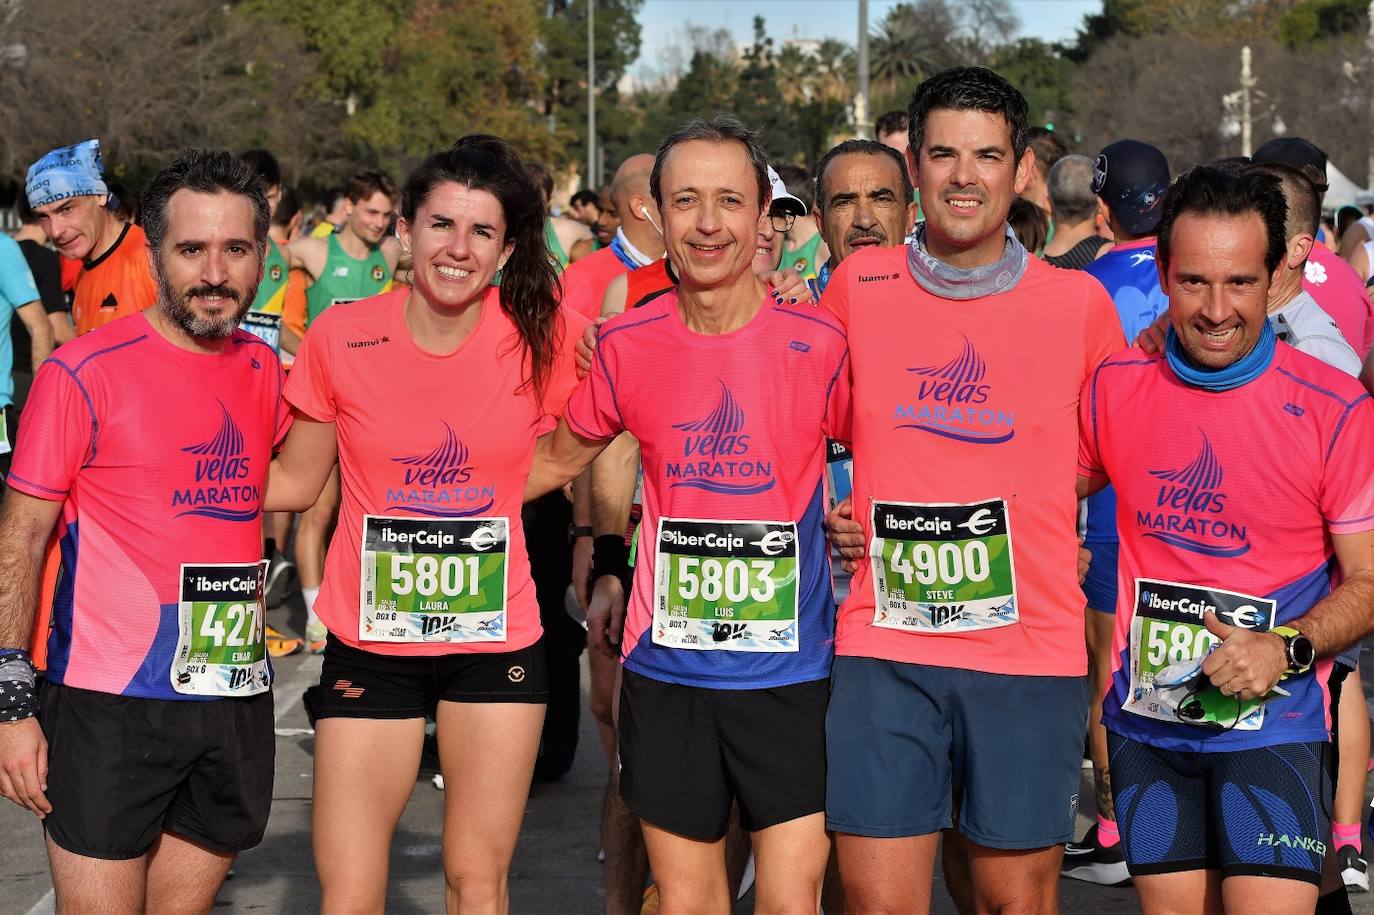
[1168, 645]
[941, 568]
[220, 650]
[265, 327]
[839, 472]
[726, 585]
[433, 579]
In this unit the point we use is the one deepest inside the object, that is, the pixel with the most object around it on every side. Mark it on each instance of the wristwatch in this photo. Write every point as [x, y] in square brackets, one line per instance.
[1298, 648]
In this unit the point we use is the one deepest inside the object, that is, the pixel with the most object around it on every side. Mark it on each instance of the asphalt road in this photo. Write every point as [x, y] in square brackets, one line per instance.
[555, 870]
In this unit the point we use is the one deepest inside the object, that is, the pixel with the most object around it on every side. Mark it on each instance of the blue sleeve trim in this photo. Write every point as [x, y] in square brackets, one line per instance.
[1340, 424]
[1321, 390]
[844, 360]
[627, 325]
[33, 485]
[601, 358]
[806, 317]
[1328, 520]
[109, 349]
[90, 404]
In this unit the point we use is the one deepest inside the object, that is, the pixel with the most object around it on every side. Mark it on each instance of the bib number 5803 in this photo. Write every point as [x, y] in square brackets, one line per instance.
[712, 579]
[930, 563]
[452, 576]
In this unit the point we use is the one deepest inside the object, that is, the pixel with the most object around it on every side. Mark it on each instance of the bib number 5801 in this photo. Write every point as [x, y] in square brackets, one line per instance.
[452, 576]
[929, 563]
[712, 578]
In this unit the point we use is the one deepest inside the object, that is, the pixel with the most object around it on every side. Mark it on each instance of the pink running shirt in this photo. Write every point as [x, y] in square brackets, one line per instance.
[428, 437]
[1338, 290]
[731, 427]
[1234, 490]
[585, 281]
[970, 403]
[159, 456]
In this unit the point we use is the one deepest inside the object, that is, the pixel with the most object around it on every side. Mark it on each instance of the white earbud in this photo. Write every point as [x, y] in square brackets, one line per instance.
[645, 210]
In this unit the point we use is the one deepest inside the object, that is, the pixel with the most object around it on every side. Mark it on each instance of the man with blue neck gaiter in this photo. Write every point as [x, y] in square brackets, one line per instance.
[1243, 477]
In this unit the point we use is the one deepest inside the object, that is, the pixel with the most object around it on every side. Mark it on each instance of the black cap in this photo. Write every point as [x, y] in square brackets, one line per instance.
[1298, 153]
[1294, 151]
[1131, 178]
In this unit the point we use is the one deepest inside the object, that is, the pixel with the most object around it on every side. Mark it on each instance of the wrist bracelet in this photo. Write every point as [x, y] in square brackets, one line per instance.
[581, 530]
[18, 692]
[610, 556]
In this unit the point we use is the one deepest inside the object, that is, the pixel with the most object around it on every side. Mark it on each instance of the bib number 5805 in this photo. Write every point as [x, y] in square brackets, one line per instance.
[452, 576]
[712, 579]
[929, 563]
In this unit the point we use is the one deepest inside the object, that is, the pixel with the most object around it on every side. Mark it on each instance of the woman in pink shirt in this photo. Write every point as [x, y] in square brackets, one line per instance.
[431, 400]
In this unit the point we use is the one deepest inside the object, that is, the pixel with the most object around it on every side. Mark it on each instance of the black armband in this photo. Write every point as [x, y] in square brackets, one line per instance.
[610, 556]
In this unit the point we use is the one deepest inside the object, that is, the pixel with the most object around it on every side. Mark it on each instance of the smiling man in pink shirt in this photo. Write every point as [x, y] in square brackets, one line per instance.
[1243, 476]
[960, 659]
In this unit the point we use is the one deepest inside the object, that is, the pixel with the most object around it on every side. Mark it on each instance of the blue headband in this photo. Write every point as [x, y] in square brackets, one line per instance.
[72, 171]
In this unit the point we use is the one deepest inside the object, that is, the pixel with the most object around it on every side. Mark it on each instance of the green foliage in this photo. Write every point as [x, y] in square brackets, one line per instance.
[563, 59]
[1042, 72]
[1311, 21]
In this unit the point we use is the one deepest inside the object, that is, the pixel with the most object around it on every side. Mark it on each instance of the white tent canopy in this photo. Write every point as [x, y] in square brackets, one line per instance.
[1342, 191]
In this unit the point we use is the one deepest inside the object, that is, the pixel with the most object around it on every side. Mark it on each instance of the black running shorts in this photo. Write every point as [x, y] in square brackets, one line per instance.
[122, 770]
[360, 684]
[688, 752]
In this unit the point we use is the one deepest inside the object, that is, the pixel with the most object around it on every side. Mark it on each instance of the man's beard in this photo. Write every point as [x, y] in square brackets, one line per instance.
[175, 307]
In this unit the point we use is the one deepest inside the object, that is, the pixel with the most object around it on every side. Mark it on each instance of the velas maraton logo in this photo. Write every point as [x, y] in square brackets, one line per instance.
[439, 482]
[955, 400]
[1190, 509]
[221, 488]
[716, 452]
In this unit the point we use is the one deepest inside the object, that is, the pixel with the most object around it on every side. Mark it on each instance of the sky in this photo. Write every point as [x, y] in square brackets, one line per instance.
[1052, 20]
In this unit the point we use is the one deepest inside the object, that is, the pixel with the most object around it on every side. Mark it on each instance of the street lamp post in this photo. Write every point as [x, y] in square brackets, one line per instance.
[861, 97]
[1240, 117]
[591, 94]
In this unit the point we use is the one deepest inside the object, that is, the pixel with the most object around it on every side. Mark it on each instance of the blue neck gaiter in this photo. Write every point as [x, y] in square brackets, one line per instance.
[1243, 371]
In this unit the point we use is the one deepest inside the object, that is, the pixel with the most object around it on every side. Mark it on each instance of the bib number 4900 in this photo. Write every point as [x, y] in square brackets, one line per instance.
[928, 563]
[451, 576]
[711, 579]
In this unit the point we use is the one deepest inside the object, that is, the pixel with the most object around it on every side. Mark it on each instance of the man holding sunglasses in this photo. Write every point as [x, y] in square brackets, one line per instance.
[1242, 473]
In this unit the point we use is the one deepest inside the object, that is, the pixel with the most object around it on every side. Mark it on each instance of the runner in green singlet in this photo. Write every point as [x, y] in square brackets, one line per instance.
[803, 248]
[346, 278]
[356, 262]
[264, 321]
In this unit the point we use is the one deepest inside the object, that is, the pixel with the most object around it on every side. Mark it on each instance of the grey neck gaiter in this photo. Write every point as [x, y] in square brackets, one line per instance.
[939, 278]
